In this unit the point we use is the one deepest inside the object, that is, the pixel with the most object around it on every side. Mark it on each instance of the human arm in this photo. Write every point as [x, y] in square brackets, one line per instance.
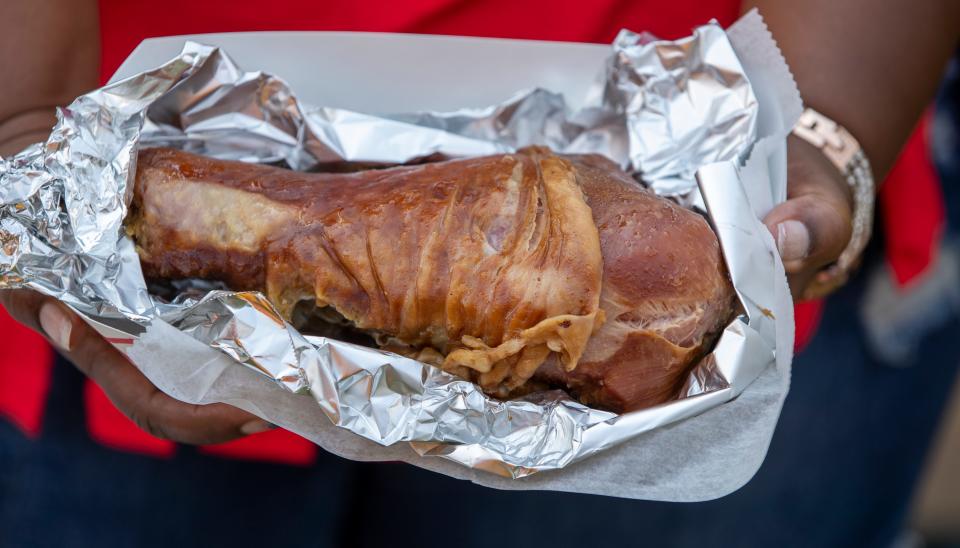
[49, 54]
[872, 66]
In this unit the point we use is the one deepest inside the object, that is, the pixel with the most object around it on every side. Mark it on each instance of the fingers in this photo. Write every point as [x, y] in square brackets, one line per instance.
[132, 393]
[23, 306]
[151, 409]
[810, 230]
[814, 225]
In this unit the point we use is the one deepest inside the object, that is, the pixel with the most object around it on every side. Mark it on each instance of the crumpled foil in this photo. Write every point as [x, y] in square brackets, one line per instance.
[663, 110]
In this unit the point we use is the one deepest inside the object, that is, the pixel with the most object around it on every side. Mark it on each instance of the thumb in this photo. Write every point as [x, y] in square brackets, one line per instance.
[813, 226]
[810, 229]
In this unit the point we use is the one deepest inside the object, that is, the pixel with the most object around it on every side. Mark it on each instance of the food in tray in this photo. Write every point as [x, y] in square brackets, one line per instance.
[520, 272]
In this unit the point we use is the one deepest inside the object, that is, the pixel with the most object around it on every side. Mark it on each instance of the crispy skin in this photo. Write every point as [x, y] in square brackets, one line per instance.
[494, 263]
[665, 294]
[497, 268]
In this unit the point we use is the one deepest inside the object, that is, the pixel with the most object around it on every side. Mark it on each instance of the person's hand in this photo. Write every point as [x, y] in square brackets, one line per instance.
[813, 226]
[151, 409]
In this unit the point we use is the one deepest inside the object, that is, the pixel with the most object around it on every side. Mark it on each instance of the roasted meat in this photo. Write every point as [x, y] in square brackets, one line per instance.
[514, 271]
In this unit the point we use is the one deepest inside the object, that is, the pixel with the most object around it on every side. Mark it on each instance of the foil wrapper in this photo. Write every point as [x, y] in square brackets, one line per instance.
[670, 112]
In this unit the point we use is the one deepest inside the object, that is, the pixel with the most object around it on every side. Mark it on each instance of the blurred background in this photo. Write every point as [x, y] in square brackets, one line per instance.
[936, 510]
[936, 505]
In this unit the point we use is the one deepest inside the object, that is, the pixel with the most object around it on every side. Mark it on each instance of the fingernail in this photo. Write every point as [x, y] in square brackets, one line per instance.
[793, 240]
[255, 427]
[56, 324]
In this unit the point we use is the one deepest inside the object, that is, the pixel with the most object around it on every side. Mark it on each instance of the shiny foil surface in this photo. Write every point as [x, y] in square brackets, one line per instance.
[670, 112]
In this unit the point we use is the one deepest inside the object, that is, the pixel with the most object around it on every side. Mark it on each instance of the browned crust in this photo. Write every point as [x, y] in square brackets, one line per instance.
[397, 252]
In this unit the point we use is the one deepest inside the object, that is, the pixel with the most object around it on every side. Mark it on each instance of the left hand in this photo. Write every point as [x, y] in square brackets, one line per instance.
[814, 225]
[128, 389]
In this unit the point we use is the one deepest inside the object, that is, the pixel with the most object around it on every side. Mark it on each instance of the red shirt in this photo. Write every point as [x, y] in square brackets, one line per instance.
[25, 367]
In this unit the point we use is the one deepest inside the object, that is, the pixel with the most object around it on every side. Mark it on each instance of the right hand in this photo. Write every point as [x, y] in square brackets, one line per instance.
[813, 226]
[128, 389]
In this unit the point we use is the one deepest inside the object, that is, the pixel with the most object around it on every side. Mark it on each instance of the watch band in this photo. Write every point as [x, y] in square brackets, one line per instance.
[843, 151]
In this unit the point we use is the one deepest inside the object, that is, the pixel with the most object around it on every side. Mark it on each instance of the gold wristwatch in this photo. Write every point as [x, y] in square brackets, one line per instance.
[843, 151]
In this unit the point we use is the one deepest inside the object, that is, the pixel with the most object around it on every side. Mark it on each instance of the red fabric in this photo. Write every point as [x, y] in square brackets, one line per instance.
[806, 319]
[25, 366]
[109, 426]
[125, 23]
[278, 446]
[911, 203]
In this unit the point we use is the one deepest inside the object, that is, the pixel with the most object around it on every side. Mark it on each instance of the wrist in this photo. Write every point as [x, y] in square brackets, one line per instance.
[806, 164]
[847, 159]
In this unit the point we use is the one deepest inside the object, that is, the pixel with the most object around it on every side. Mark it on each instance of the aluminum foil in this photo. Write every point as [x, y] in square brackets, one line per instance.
[664, 110]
